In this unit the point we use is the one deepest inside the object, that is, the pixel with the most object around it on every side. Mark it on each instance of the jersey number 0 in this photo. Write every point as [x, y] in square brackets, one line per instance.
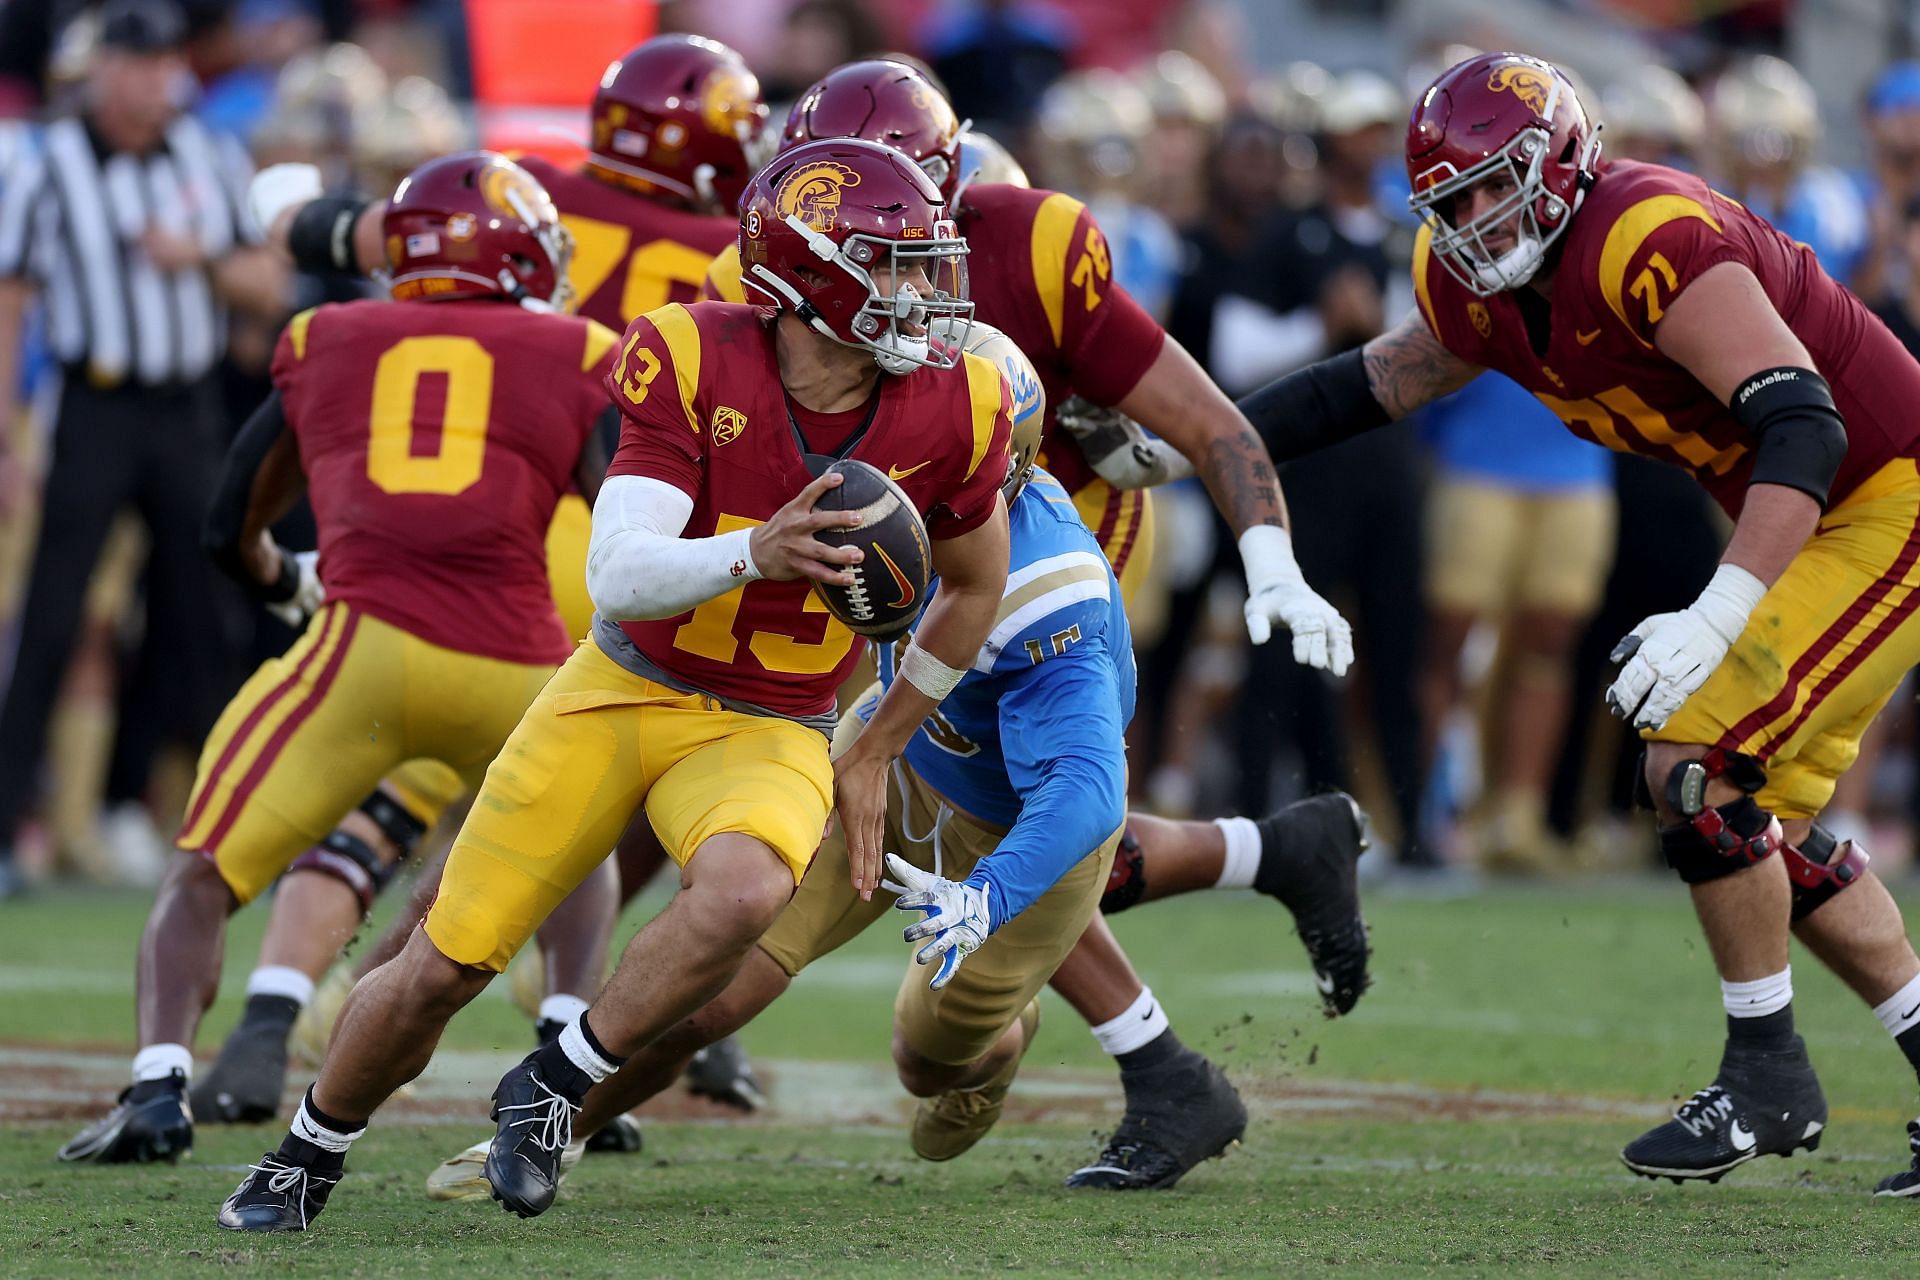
[454, 466]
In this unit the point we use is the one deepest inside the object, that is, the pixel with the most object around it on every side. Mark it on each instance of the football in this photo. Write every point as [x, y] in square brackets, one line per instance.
[890, 584]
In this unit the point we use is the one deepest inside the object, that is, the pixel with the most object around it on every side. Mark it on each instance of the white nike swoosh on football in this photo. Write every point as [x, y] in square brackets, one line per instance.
[1741, 1136]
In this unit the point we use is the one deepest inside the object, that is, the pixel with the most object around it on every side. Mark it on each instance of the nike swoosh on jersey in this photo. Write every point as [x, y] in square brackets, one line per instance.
[1586, 339]
[901, 473]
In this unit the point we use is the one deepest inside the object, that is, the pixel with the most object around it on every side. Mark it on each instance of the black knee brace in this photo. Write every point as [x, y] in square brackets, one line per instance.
[1128, 879]
[395, 823]
[1820, 868]
[350, 860]
[1720, 841]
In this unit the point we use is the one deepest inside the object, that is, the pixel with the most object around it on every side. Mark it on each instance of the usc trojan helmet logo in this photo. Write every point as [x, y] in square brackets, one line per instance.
[727, 100]
[511, 192]
[1530, 84]
[812, 193]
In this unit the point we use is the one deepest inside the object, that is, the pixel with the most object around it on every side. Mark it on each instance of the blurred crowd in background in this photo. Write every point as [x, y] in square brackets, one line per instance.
[1243, 157]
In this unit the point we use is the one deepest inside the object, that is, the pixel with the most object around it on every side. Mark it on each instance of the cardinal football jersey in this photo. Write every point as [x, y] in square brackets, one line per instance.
[705, 411]
[1642, 235]
[630, 253]
[436, 440]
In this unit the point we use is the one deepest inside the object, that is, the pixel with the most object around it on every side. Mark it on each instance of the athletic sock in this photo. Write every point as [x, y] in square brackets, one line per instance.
[1157, 1052]
[1136, 1026]
[275, 1012]
[575, 1061]
[1760, 1012]
[1241, 866]
[283, 981]
[1899, 1013]
[161, 1062]
[316, 1139]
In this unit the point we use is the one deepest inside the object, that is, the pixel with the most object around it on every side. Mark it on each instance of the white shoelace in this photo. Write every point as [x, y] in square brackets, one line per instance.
[289, 1177]
[554, 1115]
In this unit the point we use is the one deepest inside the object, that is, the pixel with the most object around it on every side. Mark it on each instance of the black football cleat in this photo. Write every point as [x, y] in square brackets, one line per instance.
[622, 1136]
[278, 1195]
[1179, 1115]
[247, 1079]
[721, 1072]
[1763, 1103]
[150, 1121]
[1324, 837]
[1907, 1181]
[535, 1126]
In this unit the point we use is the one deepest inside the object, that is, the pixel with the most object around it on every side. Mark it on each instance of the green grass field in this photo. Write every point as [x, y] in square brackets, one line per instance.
[1464, 1121]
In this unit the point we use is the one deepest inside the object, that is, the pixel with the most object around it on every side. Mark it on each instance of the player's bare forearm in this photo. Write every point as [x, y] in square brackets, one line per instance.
[1177, 401]
[254, 280]
[1775, 523]
[1407, 367]
[15, 293]
[277, 485]
[973, 576]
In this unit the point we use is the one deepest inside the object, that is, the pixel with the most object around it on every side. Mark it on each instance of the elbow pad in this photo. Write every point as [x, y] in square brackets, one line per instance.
[1803, 439]
[1311, 408]
[321, 235]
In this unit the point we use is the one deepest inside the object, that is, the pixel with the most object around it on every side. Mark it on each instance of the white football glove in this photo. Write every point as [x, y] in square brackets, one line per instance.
[956, 914]
[307, 596]
[1277, 592]
[1118, 449]
[279, 187]
[1670, 655]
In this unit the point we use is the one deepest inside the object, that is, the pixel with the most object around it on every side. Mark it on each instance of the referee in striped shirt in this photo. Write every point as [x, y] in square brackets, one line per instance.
[131, 219]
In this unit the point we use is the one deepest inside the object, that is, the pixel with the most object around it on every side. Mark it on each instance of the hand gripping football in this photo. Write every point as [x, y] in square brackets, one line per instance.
[890, 583]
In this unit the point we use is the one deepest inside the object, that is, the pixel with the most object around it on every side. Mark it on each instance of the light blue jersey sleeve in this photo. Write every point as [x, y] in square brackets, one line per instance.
[1062, 735]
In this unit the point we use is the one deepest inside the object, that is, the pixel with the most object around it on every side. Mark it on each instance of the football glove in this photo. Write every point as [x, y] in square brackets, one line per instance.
[1118, 449]
[955, 914]
[308, 593]
[279, 187]
[1670, 655]
[1277, 592]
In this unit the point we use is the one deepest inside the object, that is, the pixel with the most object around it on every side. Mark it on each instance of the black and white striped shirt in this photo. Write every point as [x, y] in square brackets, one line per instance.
[72, 216]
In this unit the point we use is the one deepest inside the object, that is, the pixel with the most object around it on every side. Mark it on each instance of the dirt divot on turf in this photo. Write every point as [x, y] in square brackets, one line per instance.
[47, 1084]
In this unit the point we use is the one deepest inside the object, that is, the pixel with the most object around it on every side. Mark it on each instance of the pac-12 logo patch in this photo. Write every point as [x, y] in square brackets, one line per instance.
[812, 192]
[727, 425]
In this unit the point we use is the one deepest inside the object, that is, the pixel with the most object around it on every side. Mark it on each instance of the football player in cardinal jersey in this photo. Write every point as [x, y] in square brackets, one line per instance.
[707, 686]
[1657, 317]
[1040, 272]
[434, 435]
[674, 131]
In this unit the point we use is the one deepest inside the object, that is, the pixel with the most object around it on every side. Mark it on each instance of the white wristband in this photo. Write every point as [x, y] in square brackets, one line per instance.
[927, 673]
[1266, 553]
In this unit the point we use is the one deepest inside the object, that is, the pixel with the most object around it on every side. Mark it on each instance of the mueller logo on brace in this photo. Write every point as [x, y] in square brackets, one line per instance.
[812, 193]
[1772, 378]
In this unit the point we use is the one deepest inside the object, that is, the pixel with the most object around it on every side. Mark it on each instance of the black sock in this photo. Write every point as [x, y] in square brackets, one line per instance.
[1909, 1042]
[270, 1011]
[547, 1030]
[173, 1082]
[1770, 1031]
[297, 1150]
[559, 1071]
[1159, 1051]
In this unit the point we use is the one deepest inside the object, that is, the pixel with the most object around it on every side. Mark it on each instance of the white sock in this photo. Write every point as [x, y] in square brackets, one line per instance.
[1760, 997]
[581, 1054]
[561, 1009]
[1242, 862]
[1900, 1011]
[1142, 1024]
[311, 1130]
[158, 1061]
[281, 980]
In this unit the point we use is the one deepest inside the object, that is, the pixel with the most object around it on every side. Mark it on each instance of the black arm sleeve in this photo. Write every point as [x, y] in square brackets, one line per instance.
[1803, 439]
[227, 517]
[596, 452]
[321, 236]
[1311, 408]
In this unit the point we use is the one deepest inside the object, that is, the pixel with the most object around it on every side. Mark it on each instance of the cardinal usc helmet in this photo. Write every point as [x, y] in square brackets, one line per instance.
[1510, 119]
[476, 225]
[886, 102]
[681, 115]
[855, 240]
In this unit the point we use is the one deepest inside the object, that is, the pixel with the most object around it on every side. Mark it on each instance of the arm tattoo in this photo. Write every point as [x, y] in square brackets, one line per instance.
[1407, 367]
[1239, 474]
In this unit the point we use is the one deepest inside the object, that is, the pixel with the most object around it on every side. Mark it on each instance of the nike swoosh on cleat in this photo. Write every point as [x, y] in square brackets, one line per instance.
[901, 473]
[1324, 981]
[1740, 1136]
